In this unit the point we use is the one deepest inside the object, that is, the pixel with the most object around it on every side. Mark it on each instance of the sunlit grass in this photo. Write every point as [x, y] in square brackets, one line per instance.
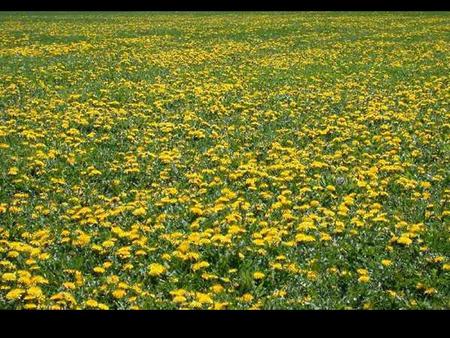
[224, 160]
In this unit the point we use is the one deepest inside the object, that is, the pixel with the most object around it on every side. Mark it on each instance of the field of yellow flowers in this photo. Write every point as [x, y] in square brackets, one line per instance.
[224, 160]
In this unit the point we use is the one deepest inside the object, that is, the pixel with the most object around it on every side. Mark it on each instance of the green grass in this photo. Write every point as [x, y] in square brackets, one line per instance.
[238, 134]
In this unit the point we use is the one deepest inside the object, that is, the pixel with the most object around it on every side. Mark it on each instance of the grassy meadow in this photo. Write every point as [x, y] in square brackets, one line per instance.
[224, 160]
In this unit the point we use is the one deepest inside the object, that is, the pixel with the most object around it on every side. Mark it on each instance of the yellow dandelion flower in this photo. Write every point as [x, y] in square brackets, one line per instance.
[258, 275]
[156, 270]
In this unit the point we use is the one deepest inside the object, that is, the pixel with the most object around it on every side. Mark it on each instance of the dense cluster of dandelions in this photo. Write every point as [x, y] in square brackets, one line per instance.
[232, 161]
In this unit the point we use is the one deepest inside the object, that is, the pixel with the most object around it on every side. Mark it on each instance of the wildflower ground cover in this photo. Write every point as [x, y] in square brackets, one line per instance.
[224, 160]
